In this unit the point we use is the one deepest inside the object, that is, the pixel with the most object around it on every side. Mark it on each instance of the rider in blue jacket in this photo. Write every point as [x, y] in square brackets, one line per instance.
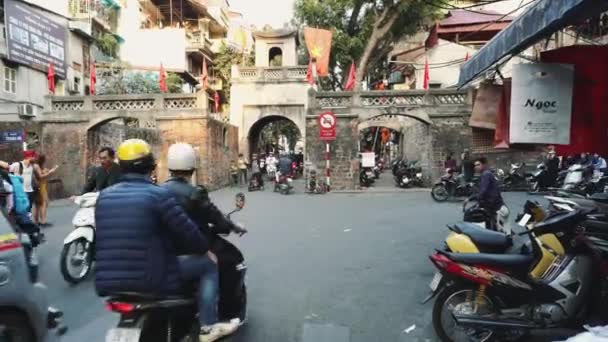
[146, 243]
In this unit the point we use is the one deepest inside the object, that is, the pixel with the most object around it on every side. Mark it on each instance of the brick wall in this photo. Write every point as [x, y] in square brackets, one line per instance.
[221, 149]
[344, 157]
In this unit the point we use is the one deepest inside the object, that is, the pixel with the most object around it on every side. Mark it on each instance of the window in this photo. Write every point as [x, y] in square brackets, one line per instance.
[482, 141]
[10, 80]
[275, 57]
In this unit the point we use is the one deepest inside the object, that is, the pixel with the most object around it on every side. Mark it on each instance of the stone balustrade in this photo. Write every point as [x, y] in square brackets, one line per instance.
[274, 74]
[125, 102]
[391, 98]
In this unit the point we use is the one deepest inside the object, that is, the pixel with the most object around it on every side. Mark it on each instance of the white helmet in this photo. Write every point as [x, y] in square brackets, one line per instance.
[181, 157]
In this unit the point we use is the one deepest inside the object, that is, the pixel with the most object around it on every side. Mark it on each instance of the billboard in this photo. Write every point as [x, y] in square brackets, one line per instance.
[541, 103]
[34, 39]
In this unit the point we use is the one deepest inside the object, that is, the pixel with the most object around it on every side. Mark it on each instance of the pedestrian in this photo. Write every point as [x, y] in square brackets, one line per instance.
[234, 173]
[599, 163]
[552, 164]
[450, 162]
[42, 199]
[243, 163]
[106, 174]
[30, 173]
[468, 166]
[255, 170]
[489, 197]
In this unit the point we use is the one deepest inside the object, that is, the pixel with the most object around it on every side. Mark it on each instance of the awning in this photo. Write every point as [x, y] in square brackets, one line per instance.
[542, 19]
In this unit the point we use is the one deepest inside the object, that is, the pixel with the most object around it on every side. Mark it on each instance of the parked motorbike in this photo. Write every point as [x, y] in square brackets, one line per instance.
[538, 179]
[146, 318]
[314, 186]
[366, 177]
[78, 253]
[479, 216]
[523, 291]
[516, 179]
[283, 184]
[409, 175]
[255, 183]
[452, 186]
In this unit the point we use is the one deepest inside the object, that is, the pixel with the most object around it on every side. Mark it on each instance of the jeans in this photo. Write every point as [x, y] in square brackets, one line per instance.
[201, 269]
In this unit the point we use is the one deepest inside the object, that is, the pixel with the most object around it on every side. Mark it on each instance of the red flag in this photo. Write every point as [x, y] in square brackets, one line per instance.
[205, 75]
[466, 58]
[352, 76]
[318, 42]
[216, 104]
[51, 78]
[92, 78]
[309, 77]
[162, 79]
[425, 80]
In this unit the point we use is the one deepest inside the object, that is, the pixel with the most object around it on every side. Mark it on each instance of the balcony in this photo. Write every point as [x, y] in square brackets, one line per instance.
[216, 83]
[107, 17]
[280, 74]
[198, 41]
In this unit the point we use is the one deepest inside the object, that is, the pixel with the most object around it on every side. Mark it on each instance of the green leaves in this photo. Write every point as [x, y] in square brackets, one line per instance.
[224, 59]
[353, 23]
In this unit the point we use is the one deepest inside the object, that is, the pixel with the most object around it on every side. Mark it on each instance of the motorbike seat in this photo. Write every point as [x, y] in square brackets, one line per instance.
[152, 300]
[600, 197]
[484, 238]
[562, 221]
[517, 262]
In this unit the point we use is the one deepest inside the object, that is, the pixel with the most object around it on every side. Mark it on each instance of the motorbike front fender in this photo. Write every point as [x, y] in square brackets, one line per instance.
[86, 232]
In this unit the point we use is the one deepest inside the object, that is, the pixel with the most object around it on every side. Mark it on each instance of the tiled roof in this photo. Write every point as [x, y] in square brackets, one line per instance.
[464, 17]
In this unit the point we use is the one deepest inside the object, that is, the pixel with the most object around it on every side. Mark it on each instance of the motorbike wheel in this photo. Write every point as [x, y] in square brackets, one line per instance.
[85, 258]
[463, 300]
[15, 328]
[440, 193]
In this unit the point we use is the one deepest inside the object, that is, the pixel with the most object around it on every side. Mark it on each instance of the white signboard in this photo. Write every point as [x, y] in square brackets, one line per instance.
[541, 103]
[368, 159]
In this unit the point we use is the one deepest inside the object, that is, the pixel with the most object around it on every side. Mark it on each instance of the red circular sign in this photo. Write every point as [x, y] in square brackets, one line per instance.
[327, 126]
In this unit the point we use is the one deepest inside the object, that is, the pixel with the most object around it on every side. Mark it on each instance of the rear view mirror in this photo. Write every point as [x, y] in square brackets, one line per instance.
[240, 200]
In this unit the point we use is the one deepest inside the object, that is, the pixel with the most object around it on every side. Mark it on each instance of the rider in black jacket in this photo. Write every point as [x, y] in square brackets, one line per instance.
[181, 160]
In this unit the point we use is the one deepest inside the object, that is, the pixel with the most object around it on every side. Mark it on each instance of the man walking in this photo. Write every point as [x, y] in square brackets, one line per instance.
[489, 197]
[105, 175]
[242, 163]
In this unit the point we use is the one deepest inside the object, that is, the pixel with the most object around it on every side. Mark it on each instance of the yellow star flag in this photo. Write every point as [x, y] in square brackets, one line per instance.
[318, 42]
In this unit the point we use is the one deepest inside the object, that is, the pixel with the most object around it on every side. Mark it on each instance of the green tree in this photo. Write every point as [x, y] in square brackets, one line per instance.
[223, 62]
[115, 80]
[364, 30]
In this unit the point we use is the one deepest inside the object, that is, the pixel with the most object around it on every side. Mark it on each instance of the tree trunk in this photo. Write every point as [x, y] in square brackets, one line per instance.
[382, 26]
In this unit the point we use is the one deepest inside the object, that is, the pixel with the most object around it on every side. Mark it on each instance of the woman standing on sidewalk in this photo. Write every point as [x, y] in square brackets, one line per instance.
[42, 200]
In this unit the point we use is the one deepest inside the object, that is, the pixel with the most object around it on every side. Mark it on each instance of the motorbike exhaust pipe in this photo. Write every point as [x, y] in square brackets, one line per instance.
[554, 334]
[493, 323]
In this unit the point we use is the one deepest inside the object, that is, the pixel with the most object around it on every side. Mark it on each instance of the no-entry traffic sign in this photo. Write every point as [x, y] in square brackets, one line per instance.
[327, 126]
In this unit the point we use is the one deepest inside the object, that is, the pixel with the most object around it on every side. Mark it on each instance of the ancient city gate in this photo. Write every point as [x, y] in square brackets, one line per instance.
[164, 119]
[432, 123]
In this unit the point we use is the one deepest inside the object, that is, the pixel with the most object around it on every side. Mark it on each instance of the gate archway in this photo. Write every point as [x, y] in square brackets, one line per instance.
[273, 133]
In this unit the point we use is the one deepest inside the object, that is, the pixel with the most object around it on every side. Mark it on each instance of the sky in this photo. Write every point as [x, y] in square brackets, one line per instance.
[262, 12]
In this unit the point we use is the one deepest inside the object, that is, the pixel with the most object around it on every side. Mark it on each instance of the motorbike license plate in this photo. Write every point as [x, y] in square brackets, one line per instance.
[435, 282]
[123, 335]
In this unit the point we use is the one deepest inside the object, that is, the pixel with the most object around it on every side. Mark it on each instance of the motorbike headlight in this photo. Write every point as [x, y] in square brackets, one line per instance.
[419, 175]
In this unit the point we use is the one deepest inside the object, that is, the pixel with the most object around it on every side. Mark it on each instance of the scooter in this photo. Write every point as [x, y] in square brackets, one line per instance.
[255, 183]
[283, 184]
[313, 186]
[145, 318]
[78, 251]
[521, 292]
[366, 177]
[450, 186]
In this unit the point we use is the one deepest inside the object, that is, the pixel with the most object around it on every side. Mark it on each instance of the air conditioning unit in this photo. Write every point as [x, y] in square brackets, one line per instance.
[26, 109]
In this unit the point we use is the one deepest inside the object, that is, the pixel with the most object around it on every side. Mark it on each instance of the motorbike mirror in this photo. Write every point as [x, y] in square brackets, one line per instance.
[240, 200]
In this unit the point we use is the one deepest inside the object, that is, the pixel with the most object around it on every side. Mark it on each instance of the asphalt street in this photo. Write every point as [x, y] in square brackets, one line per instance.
[335, 267]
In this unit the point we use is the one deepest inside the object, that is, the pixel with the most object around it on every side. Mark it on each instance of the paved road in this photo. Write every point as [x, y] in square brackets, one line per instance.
[335, 267]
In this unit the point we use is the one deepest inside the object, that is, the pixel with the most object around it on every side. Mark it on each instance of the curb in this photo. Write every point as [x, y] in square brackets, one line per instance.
[380, 191]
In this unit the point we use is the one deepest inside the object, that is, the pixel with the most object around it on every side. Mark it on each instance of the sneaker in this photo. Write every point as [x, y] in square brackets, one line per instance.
[218, 330]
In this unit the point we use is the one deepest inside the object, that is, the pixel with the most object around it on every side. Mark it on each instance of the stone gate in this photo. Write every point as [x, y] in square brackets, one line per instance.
[67, 121]
[432, 123]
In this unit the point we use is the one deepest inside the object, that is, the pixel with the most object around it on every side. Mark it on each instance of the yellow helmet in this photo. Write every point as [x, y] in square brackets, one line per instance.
[135, 155]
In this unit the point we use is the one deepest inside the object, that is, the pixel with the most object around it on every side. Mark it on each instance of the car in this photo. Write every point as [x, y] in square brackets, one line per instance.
[25, 314]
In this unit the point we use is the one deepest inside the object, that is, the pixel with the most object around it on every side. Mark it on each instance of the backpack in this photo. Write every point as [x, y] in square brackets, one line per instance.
[35, 185]
[22, 202]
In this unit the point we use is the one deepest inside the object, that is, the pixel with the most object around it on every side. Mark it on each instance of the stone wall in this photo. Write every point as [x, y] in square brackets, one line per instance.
[221, 149]
[343, 152]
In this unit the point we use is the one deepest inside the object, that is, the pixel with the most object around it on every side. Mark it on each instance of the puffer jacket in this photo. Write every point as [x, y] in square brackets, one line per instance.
[195, 200]
[140, 230]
